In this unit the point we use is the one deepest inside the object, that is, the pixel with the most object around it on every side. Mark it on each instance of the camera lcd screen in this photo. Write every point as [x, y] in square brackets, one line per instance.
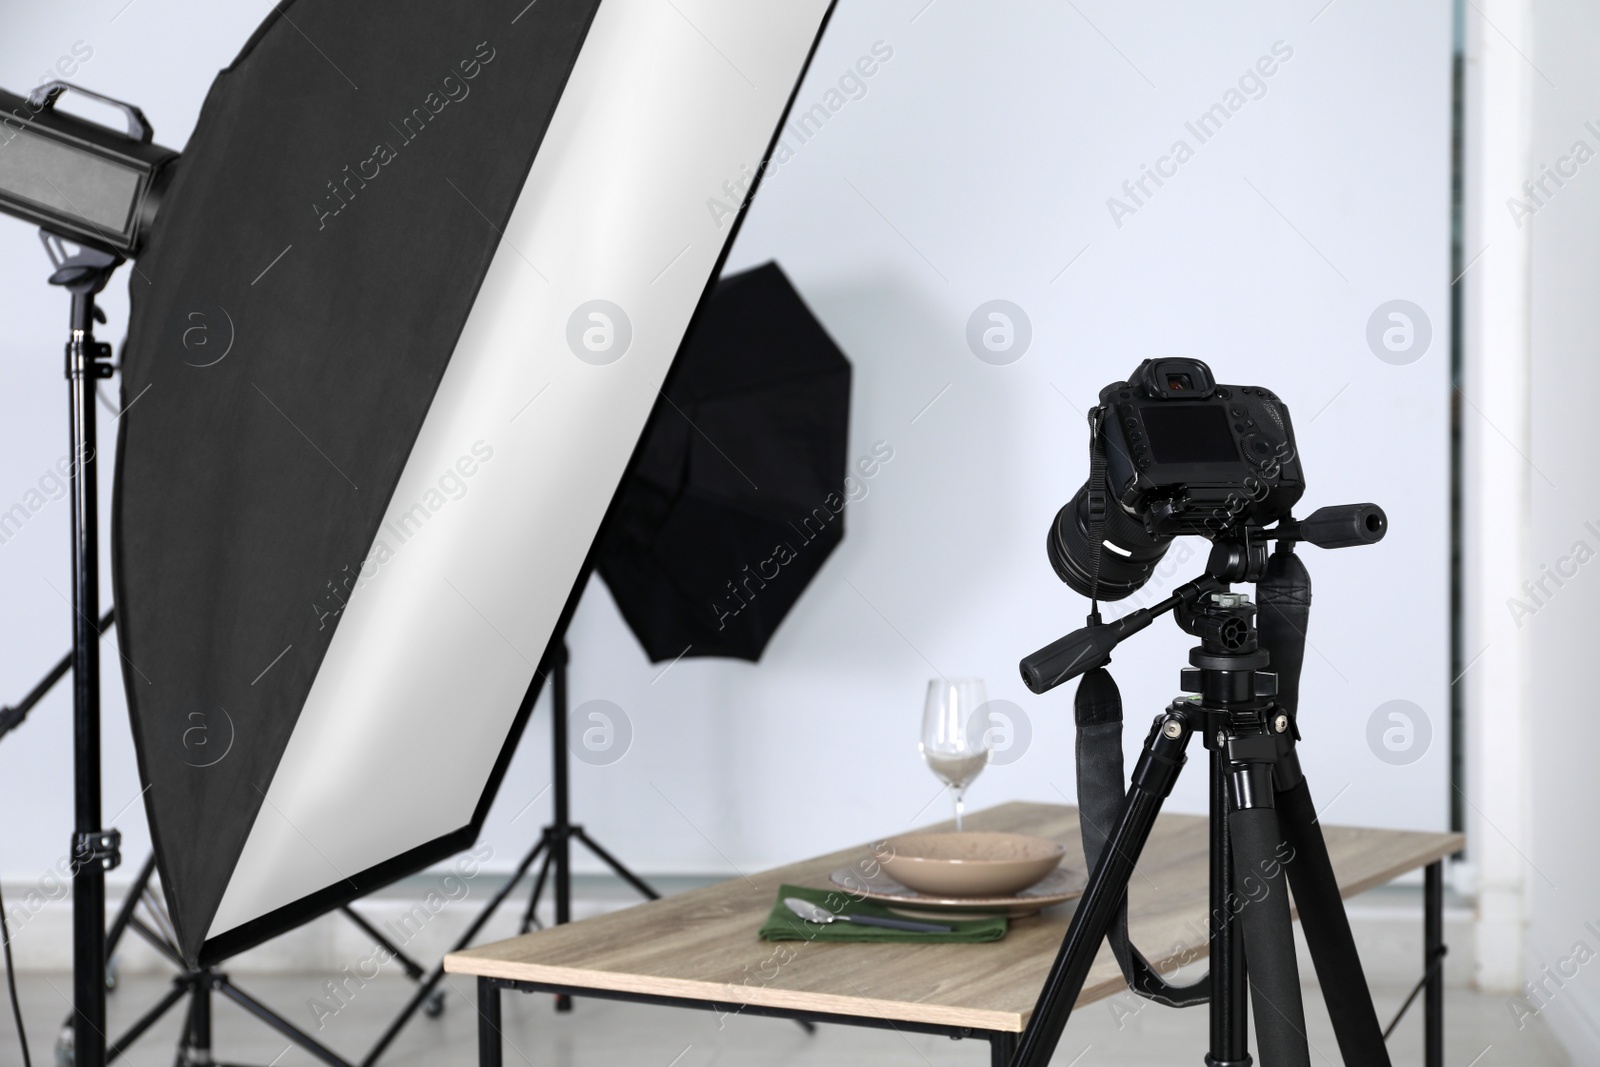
[1189, 433]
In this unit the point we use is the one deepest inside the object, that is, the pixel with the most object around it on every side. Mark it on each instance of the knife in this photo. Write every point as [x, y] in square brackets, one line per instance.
[815, 913]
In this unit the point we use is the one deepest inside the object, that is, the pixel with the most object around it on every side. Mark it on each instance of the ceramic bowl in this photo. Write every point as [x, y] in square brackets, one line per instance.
[972, 863]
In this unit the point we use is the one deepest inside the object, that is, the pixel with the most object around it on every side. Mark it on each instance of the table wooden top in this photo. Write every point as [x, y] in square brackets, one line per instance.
[703, 945]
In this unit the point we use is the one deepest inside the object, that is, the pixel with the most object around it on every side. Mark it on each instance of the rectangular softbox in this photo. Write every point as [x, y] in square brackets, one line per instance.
[410, 302]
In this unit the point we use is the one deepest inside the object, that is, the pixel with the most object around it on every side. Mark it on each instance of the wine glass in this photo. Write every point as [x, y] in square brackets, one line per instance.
[955, 744]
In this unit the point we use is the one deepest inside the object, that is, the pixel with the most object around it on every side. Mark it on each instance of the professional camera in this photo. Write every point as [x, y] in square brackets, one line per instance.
[1180, 455]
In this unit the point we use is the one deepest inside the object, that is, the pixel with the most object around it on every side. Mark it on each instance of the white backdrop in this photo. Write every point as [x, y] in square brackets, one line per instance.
[975, 163]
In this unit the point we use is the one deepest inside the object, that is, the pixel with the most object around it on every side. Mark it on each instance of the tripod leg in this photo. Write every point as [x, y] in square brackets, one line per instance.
[1268, 938]
[179, 990]
[639, 884]
[435, 976]
[528, 917]
[1230, 1006]
[1153, 778]
[412, 968]
[129, 902]
[1327, 929]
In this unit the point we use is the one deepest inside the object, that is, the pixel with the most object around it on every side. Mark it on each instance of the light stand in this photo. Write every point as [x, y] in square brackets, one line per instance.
[556, 838]
[94, 849]
[554, 845]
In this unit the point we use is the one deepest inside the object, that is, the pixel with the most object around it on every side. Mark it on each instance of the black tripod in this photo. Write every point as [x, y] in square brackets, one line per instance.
[1263, 822]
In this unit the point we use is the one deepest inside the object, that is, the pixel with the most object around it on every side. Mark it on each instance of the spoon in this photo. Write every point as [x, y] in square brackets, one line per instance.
[815, 913]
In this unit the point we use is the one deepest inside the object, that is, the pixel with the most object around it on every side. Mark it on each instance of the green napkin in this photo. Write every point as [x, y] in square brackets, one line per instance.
[784, 925]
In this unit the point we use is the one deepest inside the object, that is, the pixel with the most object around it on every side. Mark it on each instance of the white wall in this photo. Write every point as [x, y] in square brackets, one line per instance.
[1562, 874]
[977, 166]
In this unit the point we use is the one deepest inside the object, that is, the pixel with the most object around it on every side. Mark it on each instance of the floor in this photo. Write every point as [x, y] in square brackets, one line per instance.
[1481, 1032]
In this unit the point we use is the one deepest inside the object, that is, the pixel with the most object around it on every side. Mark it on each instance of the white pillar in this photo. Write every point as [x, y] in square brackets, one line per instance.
[1497, 479]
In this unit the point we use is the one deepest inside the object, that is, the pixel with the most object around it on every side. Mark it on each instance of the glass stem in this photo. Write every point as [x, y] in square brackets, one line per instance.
[961, 794]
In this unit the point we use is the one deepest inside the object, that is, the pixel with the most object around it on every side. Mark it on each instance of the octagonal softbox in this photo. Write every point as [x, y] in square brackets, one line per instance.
[413, 294]
[734, 505]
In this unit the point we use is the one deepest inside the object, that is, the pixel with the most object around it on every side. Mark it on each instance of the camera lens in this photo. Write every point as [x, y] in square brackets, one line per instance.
[1128, 555]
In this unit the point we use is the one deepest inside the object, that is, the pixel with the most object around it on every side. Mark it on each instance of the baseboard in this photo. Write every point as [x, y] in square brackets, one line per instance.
[424, 916]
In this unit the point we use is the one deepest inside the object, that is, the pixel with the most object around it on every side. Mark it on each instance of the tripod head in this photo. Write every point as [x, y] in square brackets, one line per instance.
[1240, 555]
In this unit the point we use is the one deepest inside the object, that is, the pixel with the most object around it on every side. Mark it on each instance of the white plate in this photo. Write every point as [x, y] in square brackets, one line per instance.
[1059, 886]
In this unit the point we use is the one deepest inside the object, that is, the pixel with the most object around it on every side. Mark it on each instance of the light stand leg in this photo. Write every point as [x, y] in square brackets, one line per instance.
[436, 975]
[180, 989]
[639, 884]
[129, 903]
[530, 916]
[290, 1031]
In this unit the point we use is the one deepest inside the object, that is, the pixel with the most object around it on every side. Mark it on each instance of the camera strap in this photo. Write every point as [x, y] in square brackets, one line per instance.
[1283, 601]
[1097, 709]
[1098, 500]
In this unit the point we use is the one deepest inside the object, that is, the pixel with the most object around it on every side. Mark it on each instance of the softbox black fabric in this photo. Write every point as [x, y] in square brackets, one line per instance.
[739, 493]
[307, 461]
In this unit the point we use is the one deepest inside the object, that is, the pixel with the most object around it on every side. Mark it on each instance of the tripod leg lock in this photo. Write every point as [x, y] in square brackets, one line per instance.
[1162, 758]
[1253, 757]
[1287, 774]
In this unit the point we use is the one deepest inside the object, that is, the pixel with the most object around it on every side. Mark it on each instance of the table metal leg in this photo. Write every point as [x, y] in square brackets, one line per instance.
[1002, 1046]
[1433, 960]
[489, 1039]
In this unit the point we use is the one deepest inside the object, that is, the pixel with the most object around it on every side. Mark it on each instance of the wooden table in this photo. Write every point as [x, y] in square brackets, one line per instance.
[699, 949]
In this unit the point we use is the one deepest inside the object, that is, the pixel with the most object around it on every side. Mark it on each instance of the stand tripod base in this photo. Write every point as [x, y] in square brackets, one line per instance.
[555, 841]
[194, 1047]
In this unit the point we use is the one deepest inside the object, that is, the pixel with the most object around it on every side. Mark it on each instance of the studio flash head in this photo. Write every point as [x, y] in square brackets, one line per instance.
[88, 183]
[1172, 453]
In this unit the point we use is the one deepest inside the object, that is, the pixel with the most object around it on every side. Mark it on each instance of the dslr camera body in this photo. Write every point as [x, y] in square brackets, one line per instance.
[1181, 455]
